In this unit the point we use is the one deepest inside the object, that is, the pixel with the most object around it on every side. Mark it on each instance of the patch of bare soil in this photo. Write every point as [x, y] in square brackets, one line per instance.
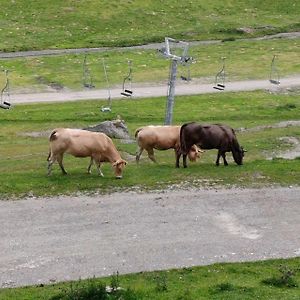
[293, 90]
[282, 124]
[292, 153]
[36, 134]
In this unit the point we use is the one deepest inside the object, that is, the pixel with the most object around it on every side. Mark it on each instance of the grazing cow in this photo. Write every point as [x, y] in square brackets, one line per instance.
[215, 136]
[82, 143]
[161, 138]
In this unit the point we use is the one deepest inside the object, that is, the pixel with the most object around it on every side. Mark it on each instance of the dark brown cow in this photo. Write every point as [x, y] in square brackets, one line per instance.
[216, 136]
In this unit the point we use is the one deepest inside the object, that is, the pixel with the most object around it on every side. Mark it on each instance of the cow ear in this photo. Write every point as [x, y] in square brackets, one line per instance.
[118, 162]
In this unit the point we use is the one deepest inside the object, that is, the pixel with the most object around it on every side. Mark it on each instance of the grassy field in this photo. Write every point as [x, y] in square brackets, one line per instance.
[23, 156]
[266, 280]
[74, 24]
[244, 60]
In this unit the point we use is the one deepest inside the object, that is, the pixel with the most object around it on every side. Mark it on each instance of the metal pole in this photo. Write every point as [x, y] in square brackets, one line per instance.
[171, 93]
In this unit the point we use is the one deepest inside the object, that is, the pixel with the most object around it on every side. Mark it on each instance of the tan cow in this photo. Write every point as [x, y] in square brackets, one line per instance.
[83, 143]
[161, 138]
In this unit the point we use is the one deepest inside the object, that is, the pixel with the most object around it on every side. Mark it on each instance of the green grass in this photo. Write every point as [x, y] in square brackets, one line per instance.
[51, 24]
[23, 158]
[245, 60]
[266, 280]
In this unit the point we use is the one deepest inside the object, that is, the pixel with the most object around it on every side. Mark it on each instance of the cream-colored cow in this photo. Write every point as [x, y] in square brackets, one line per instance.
[161, 138]
[82, 143]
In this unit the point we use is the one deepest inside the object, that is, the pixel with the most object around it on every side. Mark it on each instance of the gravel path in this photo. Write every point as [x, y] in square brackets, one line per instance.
[35, 53]
[66, 238]
[191, 88]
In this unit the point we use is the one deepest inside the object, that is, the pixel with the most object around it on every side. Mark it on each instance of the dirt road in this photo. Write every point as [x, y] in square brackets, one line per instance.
[191, 88]
[50, 240]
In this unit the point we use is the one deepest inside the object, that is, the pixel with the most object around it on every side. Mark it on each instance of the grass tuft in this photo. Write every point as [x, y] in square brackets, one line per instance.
[285, 278]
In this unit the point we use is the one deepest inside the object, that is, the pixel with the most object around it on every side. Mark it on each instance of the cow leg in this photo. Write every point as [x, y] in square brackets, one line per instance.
[138, 154]
[90, 166]
[99, 170]
[151, 154]
[178, 154]
[224, 159]
[184, 160]
[218, 158]
[60, 160]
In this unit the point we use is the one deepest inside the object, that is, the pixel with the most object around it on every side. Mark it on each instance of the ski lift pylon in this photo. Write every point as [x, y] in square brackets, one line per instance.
[220, 78]
[274, 74]
[127, 91]
[5, 93]
[109, 101]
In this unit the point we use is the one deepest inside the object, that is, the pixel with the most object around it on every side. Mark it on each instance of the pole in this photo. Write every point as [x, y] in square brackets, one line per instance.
[171, 93]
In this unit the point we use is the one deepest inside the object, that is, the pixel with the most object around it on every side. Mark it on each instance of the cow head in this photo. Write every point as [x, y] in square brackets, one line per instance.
[194, 153]
[238, 155]
[118, 167]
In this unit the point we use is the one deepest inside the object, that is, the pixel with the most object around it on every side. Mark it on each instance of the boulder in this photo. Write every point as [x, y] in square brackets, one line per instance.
[116, 129]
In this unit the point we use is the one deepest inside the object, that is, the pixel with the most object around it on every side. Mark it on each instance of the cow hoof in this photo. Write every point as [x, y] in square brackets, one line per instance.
[118, 177]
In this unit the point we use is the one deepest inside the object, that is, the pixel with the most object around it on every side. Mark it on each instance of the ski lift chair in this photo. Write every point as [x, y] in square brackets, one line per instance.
[186, 63]
[109, 101]
[87, 79]
[5, 96]
[220, 78]
[127, 91]
[274, 74]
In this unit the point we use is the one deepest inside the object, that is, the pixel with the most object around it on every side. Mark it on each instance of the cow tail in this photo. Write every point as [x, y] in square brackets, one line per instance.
[137, 132]
[53, 136]
[49, 155]
[182, 139]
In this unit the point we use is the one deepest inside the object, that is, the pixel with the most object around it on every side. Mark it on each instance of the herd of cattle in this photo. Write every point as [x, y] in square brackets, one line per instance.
[189, 140]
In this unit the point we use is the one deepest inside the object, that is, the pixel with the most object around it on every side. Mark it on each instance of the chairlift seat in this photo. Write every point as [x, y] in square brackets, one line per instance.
[127, 93]
[273, 81]
[89, 86]
[220, 87]
[105, 109]
[5, 105]
[184, 78]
